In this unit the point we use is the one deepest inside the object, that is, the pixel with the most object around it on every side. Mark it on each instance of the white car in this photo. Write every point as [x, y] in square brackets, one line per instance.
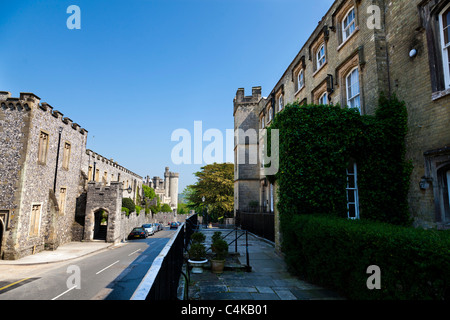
[149, 228]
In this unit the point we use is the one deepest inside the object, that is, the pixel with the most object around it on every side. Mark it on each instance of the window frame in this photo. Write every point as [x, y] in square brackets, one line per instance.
[300, 85]
[445, 47]
[280, 102]
[345, 37]
[348, 98]
[324, 94]
[66, 155]
[35, 220]
[322, 57]
[43, 147]
[352, 189]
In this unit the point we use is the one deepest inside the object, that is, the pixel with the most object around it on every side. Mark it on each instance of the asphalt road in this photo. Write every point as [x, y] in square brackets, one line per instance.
[111, 274]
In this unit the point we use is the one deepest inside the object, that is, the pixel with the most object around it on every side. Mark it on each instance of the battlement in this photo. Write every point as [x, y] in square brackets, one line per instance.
[242, 99]
[111, 163]
[27, 101]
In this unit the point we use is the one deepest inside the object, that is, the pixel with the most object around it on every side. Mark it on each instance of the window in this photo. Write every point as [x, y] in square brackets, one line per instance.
[280, 102]
[35, 220]
[323, 98]
[43, 147]
[352, 85]
[300, 80]
[348, 24]
[97, 174]
[444, 26]
[270, 114]
[90, 174]
[262, 122]
[352, 192]
[62, 200]
[66, 155]
[320, 56]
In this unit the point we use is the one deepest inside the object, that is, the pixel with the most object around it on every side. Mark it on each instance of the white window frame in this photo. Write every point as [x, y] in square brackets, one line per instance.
[262, 122]
[300, 80]
[320, 59]
[280, 102]
[349, 25]
[323, 99]
[351, 96]
[354, 190]
[445, 47]
[270, 114]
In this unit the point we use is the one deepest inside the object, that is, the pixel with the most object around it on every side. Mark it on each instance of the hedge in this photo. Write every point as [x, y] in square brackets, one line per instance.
[336, 252]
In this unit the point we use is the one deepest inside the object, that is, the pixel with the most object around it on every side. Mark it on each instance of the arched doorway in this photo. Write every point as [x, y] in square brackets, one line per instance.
[100, 224]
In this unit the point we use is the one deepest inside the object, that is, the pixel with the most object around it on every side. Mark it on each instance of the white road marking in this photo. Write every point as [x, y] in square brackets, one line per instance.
[134, 252]
[64, 292]
[107, 267]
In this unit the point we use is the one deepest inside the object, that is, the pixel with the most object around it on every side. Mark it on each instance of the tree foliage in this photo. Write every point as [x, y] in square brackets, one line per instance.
[215, 182]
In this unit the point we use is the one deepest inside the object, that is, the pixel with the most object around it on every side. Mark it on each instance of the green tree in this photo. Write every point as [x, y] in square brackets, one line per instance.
[215, 182]
[166, 208]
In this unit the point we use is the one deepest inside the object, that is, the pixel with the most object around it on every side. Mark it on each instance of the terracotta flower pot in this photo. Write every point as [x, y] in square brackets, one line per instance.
[217, 266]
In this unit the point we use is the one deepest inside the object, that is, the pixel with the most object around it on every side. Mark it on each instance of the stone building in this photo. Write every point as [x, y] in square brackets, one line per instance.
[45, 171]
[167, 189]
[39, 173]
[358, 50]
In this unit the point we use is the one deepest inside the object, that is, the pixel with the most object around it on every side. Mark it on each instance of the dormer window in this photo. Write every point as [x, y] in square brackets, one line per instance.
[348, 24]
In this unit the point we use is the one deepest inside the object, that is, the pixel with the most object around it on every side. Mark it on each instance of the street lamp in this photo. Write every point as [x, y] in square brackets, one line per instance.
[203, 209]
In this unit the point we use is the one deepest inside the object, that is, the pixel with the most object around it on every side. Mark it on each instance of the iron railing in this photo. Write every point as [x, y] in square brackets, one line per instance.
[261, 224]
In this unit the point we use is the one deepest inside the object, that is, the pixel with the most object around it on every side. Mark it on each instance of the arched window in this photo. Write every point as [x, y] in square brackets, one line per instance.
[323, 98]
[353, 92]
[300, 80]
[320, 56]
[270, 114]
[280, 102]
[348, 24]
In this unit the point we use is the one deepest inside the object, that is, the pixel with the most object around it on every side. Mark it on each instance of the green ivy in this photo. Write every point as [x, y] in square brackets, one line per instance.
[316, 143]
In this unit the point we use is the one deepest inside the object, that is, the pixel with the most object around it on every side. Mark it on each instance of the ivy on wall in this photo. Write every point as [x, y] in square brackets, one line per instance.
[316, 143]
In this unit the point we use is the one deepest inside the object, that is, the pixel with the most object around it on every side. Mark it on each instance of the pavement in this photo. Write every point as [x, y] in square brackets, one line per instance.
[268, 279]
[69, 251]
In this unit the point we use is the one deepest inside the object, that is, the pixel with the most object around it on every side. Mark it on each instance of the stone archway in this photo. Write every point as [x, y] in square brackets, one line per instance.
[100, 224]
[101, 201]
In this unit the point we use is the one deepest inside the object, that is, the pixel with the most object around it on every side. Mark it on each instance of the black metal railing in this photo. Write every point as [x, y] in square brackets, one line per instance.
[161, 282]
[261, 224]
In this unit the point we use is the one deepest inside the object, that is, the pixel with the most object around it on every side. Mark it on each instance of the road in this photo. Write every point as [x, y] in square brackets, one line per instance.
[111, 274]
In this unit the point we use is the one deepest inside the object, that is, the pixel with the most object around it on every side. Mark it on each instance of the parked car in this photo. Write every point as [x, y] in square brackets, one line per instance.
[155, 227]
[149, 228]
[173, 225]
[137, 232]
[160, 226]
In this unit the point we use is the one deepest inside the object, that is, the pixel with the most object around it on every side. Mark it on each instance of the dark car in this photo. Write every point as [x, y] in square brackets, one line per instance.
[173, 225]
[138, 232]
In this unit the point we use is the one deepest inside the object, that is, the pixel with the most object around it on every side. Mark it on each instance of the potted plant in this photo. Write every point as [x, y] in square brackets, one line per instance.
[220, 248]
[197, 252]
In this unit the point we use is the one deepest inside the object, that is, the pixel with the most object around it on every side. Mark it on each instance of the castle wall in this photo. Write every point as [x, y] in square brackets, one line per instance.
[40, 217]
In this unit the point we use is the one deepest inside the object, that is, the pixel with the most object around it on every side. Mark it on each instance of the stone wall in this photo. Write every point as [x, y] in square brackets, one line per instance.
[32, 181]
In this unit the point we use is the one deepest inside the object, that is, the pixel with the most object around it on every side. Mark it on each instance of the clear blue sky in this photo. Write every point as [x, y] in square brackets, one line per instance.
[139, 69]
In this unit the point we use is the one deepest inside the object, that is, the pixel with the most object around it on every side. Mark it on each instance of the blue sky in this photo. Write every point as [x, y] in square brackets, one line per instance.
[139, 69]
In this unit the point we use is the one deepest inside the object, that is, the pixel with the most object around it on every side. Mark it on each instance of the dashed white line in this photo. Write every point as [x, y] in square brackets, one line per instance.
[64, 293]
[107, 267]
[134, 252]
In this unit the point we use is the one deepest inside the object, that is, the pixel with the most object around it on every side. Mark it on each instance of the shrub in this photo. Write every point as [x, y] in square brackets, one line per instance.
[128, 203]
[166, 208]
[216, 236]
[138, 209]
[198, 237]
[335, 252]
[197, 252]
[220, 248]
[126, 210]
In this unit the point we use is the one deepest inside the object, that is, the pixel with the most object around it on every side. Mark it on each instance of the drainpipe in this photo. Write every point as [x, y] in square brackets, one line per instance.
[57, 159]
